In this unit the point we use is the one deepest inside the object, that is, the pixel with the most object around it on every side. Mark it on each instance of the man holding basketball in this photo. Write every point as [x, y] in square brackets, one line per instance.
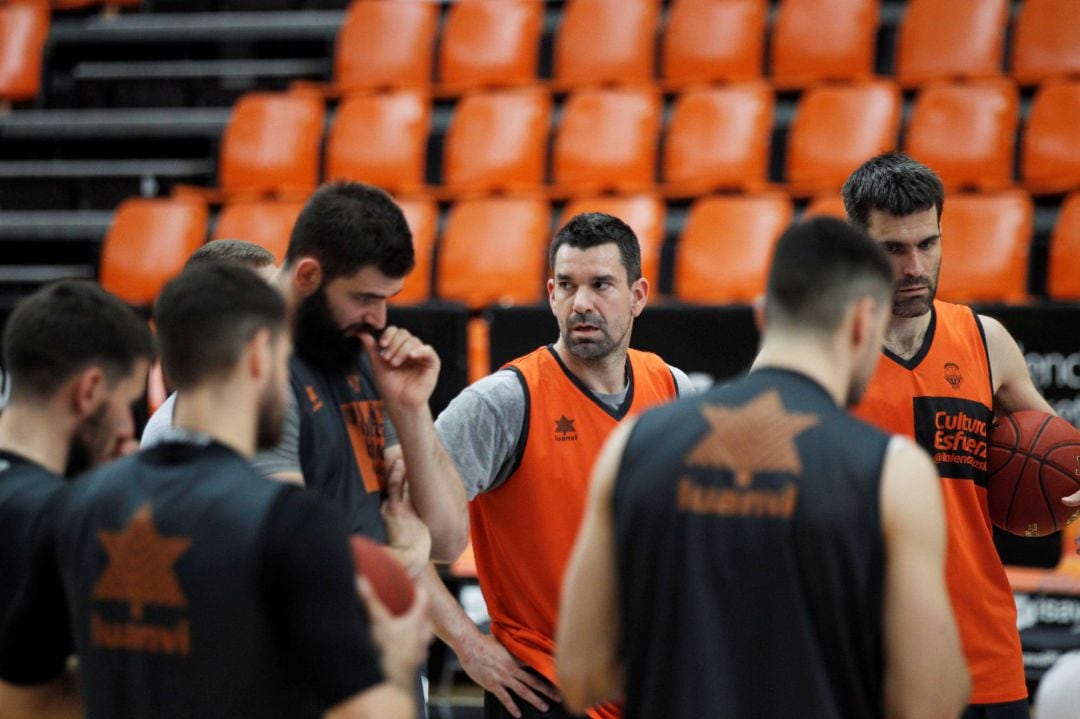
[756, 551]
[946, 367]
[524, 440]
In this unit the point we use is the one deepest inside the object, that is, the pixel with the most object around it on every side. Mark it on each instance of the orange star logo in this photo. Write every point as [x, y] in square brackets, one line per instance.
[756, 437]
[140, 567]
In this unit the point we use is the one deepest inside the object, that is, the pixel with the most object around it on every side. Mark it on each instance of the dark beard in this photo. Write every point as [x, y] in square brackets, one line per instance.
[318, 340]
[79, 459]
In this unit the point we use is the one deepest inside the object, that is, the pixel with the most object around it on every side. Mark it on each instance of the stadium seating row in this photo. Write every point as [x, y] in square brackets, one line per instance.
[492, 250]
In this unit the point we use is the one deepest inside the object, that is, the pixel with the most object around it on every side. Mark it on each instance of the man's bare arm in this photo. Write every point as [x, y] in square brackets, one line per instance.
[58, 699]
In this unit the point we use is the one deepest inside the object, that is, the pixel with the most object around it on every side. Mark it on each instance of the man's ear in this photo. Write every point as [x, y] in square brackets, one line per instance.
[307, 275]
[639, 293]
[258, 355]
[87, 390]
[862, 325]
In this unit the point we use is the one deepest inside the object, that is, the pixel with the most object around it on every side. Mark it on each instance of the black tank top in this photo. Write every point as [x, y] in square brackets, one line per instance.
[751, 556]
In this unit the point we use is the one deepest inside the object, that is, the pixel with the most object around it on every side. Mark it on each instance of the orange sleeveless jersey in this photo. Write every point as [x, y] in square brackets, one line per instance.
[524, 530]
[943, 397]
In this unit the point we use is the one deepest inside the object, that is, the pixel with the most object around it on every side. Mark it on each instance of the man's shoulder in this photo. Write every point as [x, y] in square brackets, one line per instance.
[27, 483]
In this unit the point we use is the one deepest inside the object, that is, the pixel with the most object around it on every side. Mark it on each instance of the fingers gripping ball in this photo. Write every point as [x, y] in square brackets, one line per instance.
[1034, 461]
[387, 576]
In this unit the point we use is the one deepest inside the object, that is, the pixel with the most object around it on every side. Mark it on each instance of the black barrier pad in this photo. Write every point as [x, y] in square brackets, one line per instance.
[443, 326]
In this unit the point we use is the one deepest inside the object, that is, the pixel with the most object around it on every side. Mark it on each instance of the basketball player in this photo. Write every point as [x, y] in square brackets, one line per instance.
[77, 358]
[188, 578]
[944, 374]
[524, 440]
[757, 552]
[245, 254]
[349, 252]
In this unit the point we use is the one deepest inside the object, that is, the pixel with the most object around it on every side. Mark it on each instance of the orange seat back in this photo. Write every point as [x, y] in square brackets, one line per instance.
[1063, 279]
[386, 44]
[491, 44]
[24, 28]
[838, 127]
[271, 145]
[606, 42]
[608, 141]
[1046, 43]
[422, 214]
[381, 140]
[498, 141]
[726, 245]
[719, 138]
[267, 223]
[714, 41]
[830, 204]
[493, 251]
[815, 40]
[147, 245]
[966, 133]
[950, 40]
[1050, 161]
[645, 216]
[985, 239]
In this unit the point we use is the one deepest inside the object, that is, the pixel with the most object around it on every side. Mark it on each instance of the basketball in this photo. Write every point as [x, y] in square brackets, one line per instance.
[1034, 461]
[388, 577]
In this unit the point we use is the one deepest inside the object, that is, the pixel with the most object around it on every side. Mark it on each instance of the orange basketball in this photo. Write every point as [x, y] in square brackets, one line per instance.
[1034, 461]
[388, 577]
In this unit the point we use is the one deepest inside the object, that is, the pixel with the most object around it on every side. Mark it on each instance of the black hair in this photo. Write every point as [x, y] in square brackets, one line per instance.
[892, 183]
[592, 229]
[246, 254]
[820, 266]
[347, 226]
[65, 327]
[207, 315]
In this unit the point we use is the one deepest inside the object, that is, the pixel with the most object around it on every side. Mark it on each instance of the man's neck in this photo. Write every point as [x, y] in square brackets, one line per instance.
[37, 434]
[820, 363]
[220, 414]
[604, 375]
[905, 335]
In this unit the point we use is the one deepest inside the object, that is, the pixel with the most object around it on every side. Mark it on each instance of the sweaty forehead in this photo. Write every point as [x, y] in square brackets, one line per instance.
[916, 227]
[590, 262]
[366, 280]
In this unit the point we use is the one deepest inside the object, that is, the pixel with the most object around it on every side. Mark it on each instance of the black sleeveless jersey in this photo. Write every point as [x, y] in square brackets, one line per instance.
[342, 438]
[27, 494]
[164, 561]
[750, 555]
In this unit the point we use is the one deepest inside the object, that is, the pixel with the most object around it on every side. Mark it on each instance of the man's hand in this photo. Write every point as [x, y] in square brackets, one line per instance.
[405, 368]
[408, 538]
[497, 671]
[402, 640]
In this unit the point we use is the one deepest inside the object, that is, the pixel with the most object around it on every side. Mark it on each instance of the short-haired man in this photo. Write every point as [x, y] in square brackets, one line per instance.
[524, 440]
[756, 551]
[349, 252]
[946, 370]
[77, 358]
[189, 579]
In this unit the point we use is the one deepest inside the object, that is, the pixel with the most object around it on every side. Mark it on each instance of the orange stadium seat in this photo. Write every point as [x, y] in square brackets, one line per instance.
[1063, 279]
[423, 217]
[148, 243]
[493, 252]
[719, 139]
[1050, 161]
[1046, 42]
[951, 40]
[836, 128]
[267, 223]
[380, 139]
[607, 140]
[644, 214]
[967, 133]
[726, 245]
[606, 42]
[498, 141]
[24, 28]
[985, 238]
[826, 205]
[489, 44]
[385, 44]
[271, 146]
[714, 41]
[815, 40]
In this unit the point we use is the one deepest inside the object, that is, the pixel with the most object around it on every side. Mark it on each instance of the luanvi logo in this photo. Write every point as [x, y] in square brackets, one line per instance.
[955, 433]
[564, 430]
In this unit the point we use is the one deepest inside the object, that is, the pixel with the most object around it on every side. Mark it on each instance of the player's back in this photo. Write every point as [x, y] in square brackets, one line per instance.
[751, 555]
[162, 560]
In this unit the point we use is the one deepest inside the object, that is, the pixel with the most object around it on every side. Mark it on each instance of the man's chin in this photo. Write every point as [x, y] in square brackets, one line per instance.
[912, 307]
